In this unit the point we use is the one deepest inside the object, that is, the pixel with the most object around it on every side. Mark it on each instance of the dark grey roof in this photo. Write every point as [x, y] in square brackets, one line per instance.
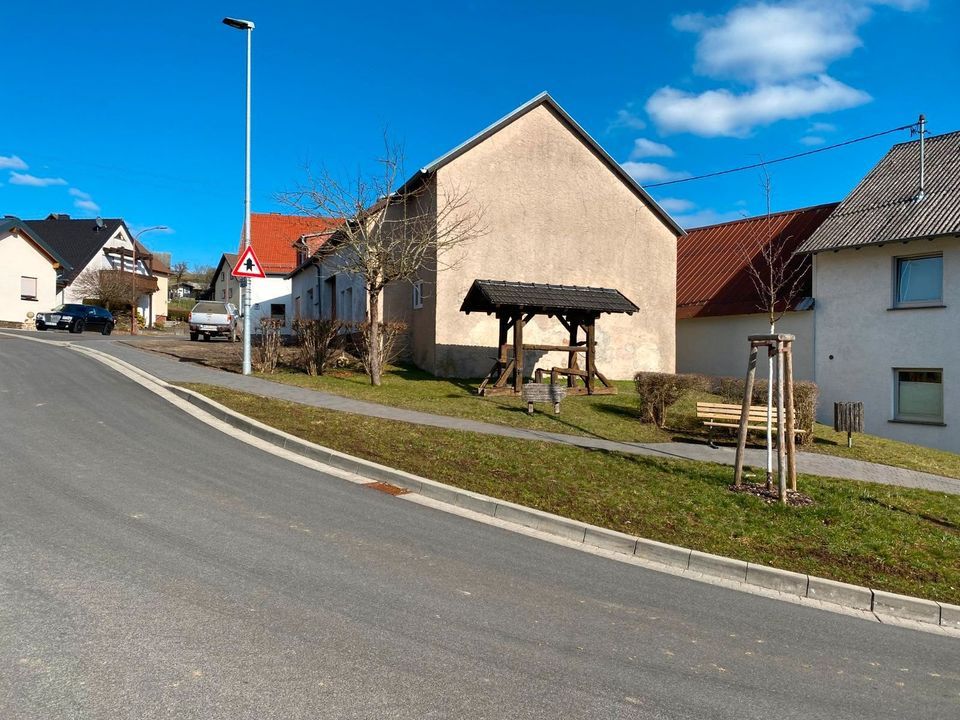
[10, 223]
[884, 206]
[230, 259]
[75, 240]
[491, 295]
[545, 99]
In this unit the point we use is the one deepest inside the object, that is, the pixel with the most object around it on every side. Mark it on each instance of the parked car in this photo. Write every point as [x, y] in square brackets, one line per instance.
[214, 319]
[76, 319]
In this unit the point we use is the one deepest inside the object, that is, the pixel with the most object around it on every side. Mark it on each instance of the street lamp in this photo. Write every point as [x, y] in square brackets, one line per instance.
[133, 276]
[248, 26]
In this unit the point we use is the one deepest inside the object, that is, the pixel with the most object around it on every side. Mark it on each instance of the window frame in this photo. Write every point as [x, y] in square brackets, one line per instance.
[417, 294]
[897, 303]
[36, 287]
[915, 419]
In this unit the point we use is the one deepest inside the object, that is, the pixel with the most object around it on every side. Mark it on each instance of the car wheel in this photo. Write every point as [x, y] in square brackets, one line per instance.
[41, 327]
[105, 330]
[194, 336]
[77, 327]
[206, 338]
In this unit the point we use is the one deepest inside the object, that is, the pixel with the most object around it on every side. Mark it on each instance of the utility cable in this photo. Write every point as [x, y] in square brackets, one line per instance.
[783, 159]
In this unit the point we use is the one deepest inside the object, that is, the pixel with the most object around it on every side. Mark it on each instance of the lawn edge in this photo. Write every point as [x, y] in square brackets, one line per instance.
[883, 604]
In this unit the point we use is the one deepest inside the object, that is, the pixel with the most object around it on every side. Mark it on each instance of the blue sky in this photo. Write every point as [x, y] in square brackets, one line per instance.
[117, 110]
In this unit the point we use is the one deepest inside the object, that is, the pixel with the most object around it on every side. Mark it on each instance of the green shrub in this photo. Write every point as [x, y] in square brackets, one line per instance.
[658, 391]
[177, 314]
[315, 344]
[806, 396]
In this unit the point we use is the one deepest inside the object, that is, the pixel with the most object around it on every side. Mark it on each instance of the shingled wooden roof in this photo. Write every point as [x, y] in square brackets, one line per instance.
[489, 296]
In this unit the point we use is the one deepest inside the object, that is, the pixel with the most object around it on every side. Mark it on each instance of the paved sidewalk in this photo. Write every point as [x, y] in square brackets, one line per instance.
[173, 370]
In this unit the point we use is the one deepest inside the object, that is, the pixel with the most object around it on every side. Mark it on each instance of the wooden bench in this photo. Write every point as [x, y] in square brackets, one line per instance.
[539, 392]
[716, 415]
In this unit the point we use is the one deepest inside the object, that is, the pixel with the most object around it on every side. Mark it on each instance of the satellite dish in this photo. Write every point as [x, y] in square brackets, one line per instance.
[99, 223]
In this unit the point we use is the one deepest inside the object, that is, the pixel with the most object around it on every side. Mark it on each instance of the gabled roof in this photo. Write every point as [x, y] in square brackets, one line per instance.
[544, 99]
[491, 295]
[228, 259]
[713, 262]
[78, 241]
[9, 224]
[884, 206]
[273, 236]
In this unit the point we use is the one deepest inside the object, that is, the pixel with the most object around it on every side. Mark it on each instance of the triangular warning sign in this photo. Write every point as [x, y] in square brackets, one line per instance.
[248, 265]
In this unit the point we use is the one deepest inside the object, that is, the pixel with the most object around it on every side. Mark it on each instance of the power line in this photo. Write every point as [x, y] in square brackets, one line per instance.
[783, 159]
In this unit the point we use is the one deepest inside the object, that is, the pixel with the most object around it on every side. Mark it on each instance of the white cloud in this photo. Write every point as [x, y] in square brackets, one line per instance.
[83, 201]
[776, 42]
[652, 172]
[626, 119]
[12, 162]
[781, 51]
[648, 148]
[812, 140]
[821, 127]
[723, 113]
[700, 218]
[676, 205]
[34, 181]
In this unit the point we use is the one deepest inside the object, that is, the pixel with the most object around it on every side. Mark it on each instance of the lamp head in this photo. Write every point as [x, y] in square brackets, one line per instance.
[238, 23]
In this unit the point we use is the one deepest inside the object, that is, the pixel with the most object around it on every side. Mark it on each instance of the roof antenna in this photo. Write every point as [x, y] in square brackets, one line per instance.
[921, 131]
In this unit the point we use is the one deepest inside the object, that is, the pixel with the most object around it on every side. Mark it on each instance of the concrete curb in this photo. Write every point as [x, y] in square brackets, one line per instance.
[884, 605]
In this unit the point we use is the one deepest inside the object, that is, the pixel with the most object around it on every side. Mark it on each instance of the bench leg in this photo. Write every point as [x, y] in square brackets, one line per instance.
[530, 408]
[710, 440]
[556, 408]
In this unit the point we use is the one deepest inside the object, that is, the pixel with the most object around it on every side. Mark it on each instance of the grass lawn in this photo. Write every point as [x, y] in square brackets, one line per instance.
[613, 417]
[895, 539]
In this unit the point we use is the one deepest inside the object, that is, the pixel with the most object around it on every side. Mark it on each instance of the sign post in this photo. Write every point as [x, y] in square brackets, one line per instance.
[247, 268]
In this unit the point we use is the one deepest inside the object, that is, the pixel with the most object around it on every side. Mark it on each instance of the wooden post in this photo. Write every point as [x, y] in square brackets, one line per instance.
[591, 356]
[781, 447]
[791, 415]
[502, 343]
[518, 353]
[572, 357]
[745, 415]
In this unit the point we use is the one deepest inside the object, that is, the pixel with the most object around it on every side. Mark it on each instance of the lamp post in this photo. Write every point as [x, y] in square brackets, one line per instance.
[248, 26]
[133, 276]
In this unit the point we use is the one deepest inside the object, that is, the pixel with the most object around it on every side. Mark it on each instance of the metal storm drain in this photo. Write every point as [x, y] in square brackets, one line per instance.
[388, 489]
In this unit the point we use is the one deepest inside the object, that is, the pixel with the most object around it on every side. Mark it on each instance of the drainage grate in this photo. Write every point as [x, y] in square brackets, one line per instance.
[388, 489]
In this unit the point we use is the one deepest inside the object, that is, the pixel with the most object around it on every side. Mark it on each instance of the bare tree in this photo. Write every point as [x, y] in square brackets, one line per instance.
[112, 289]
[387, 231]
[179, 270]
[778, 276]
[202, 273]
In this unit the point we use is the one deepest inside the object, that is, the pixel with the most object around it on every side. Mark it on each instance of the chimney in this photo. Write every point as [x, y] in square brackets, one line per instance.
[58, 216]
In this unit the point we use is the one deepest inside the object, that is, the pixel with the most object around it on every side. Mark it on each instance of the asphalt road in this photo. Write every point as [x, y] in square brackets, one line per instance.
[151, 567]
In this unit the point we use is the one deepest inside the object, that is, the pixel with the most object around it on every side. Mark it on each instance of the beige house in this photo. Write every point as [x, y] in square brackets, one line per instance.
[29, 269]
[557, 209]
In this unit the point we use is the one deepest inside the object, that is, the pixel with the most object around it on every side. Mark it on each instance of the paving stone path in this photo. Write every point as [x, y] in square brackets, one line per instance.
[172, 370]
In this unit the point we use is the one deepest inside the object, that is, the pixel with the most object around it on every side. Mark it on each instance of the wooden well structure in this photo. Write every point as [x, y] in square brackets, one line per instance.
[575, 308]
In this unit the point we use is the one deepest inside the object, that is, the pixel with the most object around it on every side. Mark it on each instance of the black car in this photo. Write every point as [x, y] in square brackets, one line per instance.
[76, 319]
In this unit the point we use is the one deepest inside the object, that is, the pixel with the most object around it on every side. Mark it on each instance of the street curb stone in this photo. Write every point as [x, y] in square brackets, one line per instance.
[839, 593]
[906, 607]
[882, 604]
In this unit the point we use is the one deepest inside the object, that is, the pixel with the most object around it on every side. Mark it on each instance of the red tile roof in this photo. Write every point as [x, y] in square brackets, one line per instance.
[273, 236]
[713, 276]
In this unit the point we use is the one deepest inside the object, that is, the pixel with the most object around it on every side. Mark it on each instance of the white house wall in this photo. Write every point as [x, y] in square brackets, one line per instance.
[859, 340]
[718, 345]
[18, 258]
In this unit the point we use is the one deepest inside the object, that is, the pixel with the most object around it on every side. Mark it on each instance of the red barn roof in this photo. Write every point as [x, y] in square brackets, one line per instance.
[274, 235]
[713, 275]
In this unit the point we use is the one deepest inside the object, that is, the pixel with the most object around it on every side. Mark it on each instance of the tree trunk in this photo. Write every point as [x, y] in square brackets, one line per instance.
[373, 337]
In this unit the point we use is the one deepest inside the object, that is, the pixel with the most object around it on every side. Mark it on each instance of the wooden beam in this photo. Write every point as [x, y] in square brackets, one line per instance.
[591, 357]
[745, 416]
[518, 355]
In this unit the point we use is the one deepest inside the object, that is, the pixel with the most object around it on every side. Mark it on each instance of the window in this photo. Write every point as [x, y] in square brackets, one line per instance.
[230, 295]
[296, 308]
[346, 305]
[28, 288]
[223, 294]
[418, 294]
[918, 395]
[278, 311]
[919, 281]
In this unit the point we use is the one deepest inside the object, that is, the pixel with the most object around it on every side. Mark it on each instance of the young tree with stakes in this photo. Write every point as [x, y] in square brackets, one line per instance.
[386, 231]
[778, 277]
